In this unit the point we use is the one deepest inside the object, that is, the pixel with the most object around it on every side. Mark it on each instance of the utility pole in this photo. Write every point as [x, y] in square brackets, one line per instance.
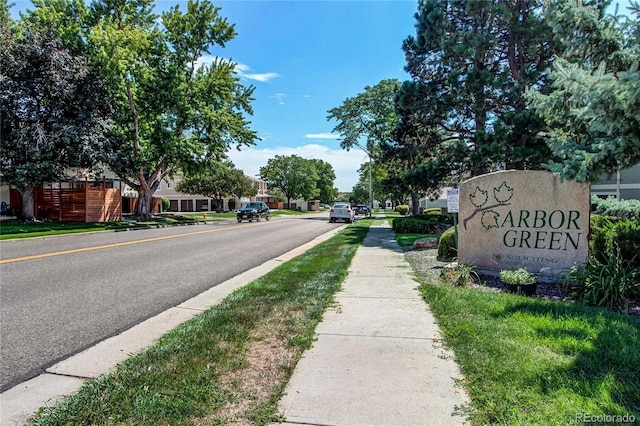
[370, 178]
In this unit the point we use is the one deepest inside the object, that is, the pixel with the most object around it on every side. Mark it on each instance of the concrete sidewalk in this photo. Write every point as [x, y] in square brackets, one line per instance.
[377, 359]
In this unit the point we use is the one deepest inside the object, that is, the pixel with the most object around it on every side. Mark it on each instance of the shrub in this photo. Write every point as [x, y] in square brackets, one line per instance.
[606, 284]
[623, 209]
[608, 232]
[460, 275]
[421, 224]
[166, 203]
[447, 247]
[517, 276]
[433, 210]
[403, 209]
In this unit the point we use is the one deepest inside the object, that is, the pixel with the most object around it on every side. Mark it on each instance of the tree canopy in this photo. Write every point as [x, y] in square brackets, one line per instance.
[219, 182]
[297, 177]
[171, 112]
[592, 107]
[470, 63]
[54, 112]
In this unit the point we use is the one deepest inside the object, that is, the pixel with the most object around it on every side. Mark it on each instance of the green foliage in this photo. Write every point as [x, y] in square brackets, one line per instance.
[433, 210]
[326, 177]
[518, 276]
[611, 234]
[624, 209]
[53, 111]
[166, 203]
[464, 112]
[460, 275]
[447, 246]
[421, 224]
[403, 209]
[538, 362]
[297, 177]
[170, 114]
[218, 182]
[370, 115]
[368, 121]
[591, 105]
[606, 284]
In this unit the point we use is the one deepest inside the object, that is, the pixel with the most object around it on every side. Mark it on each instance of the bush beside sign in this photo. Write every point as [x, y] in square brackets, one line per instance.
[523, 219]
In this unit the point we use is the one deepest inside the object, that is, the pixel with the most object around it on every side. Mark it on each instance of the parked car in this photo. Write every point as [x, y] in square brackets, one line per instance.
[342, 212]
[253, 210]
[362, 209]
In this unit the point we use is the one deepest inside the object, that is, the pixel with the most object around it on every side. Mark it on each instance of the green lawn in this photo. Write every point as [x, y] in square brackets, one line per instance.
[16, 229]
[528, 361]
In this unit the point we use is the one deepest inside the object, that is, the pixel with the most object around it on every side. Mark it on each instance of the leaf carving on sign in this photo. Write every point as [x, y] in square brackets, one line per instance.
[479, 197]
[503, 193]
[490, 219]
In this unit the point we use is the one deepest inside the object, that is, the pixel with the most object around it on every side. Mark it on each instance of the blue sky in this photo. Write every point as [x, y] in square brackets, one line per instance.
[305, 57]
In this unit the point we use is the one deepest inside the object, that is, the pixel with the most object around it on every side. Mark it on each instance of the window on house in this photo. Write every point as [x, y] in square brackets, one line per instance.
[169, 185]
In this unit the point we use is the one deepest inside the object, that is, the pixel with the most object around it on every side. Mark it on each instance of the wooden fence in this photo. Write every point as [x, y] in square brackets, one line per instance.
[74, 204]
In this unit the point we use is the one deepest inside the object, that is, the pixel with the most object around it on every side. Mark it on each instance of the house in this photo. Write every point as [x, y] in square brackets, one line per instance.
[624, 185]
[180, 202]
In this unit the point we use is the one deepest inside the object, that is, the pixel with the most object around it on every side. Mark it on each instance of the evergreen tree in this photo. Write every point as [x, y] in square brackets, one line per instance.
[470, 62]
[592, 105]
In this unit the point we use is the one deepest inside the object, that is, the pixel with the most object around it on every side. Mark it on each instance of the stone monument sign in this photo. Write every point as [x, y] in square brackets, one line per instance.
[512, 219]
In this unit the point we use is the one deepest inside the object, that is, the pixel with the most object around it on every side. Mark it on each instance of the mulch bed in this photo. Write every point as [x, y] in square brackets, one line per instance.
[548, 291]
[424, 261]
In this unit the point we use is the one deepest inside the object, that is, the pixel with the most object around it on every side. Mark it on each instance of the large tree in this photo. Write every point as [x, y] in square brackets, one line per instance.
[53, 110]
[368, 121]
[592, 107]
[172, 113]
[326, 179]
[470, 62]
[294, 176]
[219, 182]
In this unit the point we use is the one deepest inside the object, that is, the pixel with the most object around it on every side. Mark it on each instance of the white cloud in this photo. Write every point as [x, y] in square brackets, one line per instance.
[345, 163]
[242, 70]
[279, 97]
[322, 136]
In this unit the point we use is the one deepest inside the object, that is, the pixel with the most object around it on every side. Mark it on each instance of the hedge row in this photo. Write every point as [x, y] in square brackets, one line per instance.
[422, 224]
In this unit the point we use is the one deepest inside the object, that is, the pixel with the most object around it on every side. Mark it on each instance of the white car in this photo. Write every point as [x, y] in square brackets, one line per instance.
[342, 211]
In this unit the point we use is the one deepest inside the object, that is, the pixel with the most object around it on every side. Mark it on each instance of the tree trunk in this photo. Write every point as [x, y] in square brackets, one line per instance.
[143, 208]
[28, 204]
[415, 204]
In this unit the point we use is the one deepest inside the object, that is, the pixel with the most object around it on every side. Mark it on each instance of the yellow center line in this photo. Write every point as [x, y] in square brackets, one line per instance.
[126, 243]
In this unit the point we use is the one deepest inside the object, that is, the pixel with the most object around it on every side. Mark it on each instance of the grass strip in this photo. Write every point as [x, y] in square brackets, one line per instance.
[17, 229]
[229, 364]
[531, 361]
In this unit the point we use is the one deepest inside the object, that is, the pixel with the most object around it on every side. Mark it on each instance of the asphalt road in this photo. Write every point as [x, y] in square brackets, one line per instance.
[70, 292]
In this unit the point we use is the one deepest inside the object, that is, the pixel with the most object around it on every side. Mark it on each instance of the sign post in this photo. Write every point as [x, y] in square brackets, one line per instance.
[453, 201]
